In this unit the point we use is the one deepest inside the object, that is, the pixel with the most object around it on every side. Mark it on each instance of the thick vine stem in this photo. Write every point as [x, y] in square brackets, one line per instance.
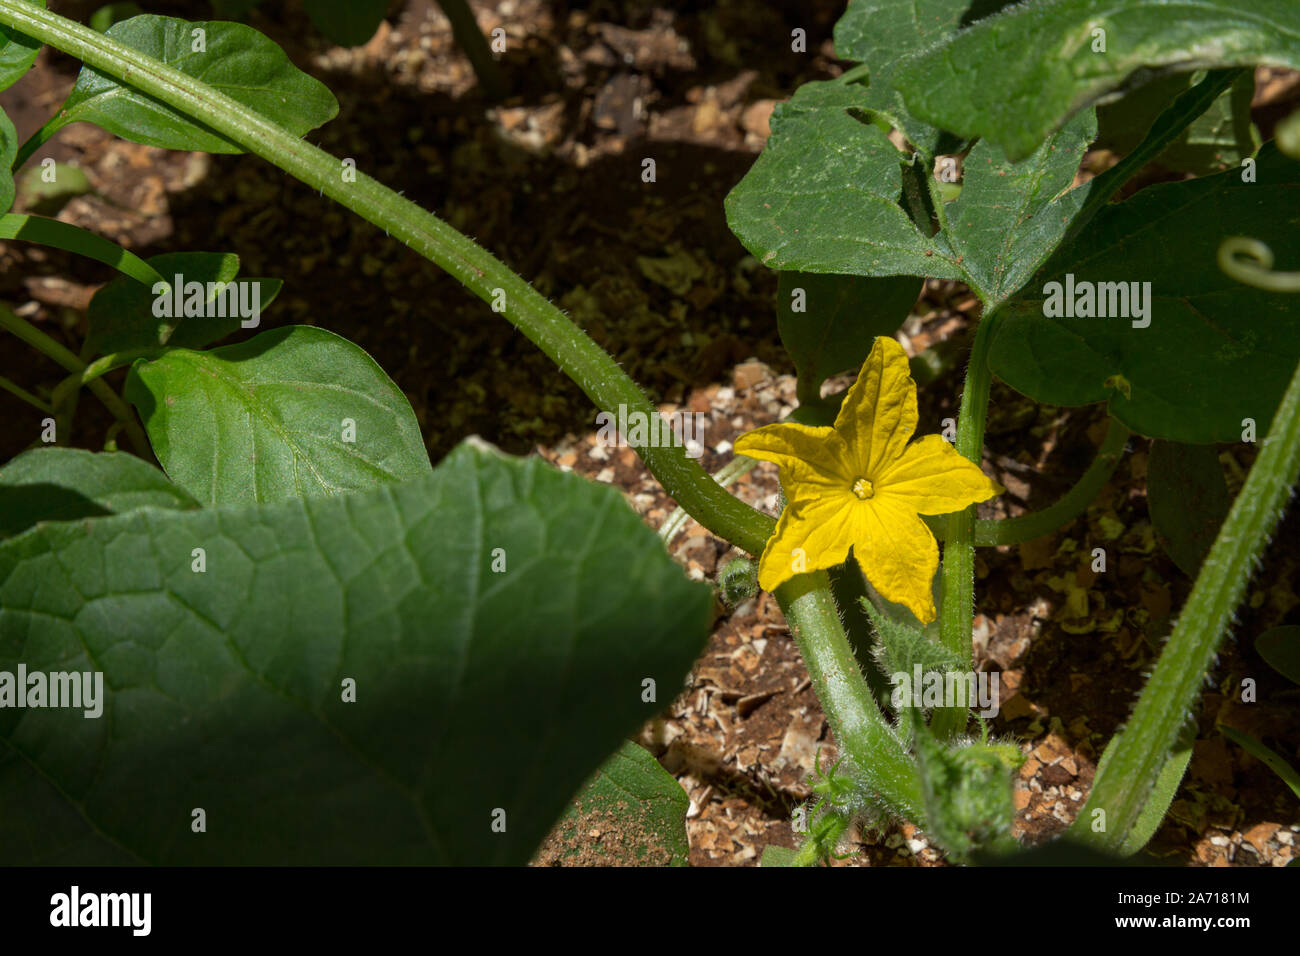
[957, 615]
[1135, 760]
[595, 372]
[881, 764]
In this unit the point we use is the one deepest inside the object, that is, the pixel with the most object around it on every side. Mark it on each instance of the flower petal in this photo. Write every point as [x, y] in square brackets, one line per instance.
[812, 535]
[878, 416]
[932, 478]
[811, 458]
[898, 554]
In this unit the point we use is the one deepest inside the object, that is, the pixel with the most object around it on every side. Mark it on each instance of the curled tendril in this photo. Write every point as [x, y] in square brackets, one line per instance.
[1250, 261]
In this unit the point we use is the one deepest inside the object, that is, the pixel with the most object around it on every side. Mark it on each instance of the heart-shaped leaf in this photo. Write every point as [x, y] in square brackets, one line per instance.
[291, 412]
[232, 58]
[423, 673]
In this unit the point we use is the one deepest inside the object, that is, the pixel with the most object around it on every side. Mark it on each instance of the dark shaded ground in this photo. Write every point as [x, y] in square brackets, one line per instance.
[550, 180]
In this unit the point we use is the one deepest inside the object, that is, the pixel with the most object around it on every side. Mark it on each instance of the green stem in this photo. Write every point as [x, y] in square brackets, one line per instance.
[17, 390]
[881, 765]
[595, 372]
[1135, 760]
[37, 140]
[43, 343]
[958, 574]
[990, 532]
[97, 369]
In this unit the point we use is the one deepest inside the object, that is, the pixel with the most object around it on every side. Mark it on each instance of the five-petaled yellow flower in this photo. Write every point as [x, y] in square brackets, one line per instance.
[858, 484]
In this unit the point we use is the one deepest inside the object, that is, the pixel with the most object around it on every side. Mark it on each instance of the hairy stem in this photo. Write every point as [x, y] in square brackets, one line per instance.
[958, 575]
[595, 372]
[18, 391]
[881, 765]
[1135, 760]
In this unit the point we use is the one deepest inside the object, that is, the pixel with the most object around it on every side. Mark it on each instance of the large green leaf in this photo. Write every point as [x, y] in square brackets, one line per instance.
[631, 812]
[1010, 216]
[1216, 352]
[485, 680]
[235, 60]
[879, 33]
[121, 315]
[63, 484]
[824, 194]
[17, 54]
[824, 197]
[1016, 76]
[829, 323]
[269, 418]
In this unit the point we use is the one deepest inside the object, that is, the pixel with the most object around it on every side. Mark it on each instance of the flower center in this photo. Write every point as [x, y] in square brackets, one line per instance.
[862, 488]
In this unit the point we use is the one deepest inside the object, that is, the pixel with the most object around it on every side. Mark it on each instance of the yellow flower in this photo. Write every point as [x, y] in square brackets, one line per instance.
[859, 485]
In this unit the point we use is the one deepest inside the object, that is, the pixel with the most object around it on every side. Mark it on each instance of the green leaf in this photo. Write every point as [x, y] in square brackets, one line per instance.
[1162, 793]
[346, 22]
[1218, 139]
[74, 239]
[1188, 499]
[236, 60]
[1280, 647]
[121, 314]
[17, 54]
[838, 320]
[824, 197]
[824, 194]
[1015, 77]
[475, 690]
[1265, 755]
[8, 152]
[1011, 216]
[64, 484]
[1216, 352]
[880, 33]
[636, 810]
[267, 419]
